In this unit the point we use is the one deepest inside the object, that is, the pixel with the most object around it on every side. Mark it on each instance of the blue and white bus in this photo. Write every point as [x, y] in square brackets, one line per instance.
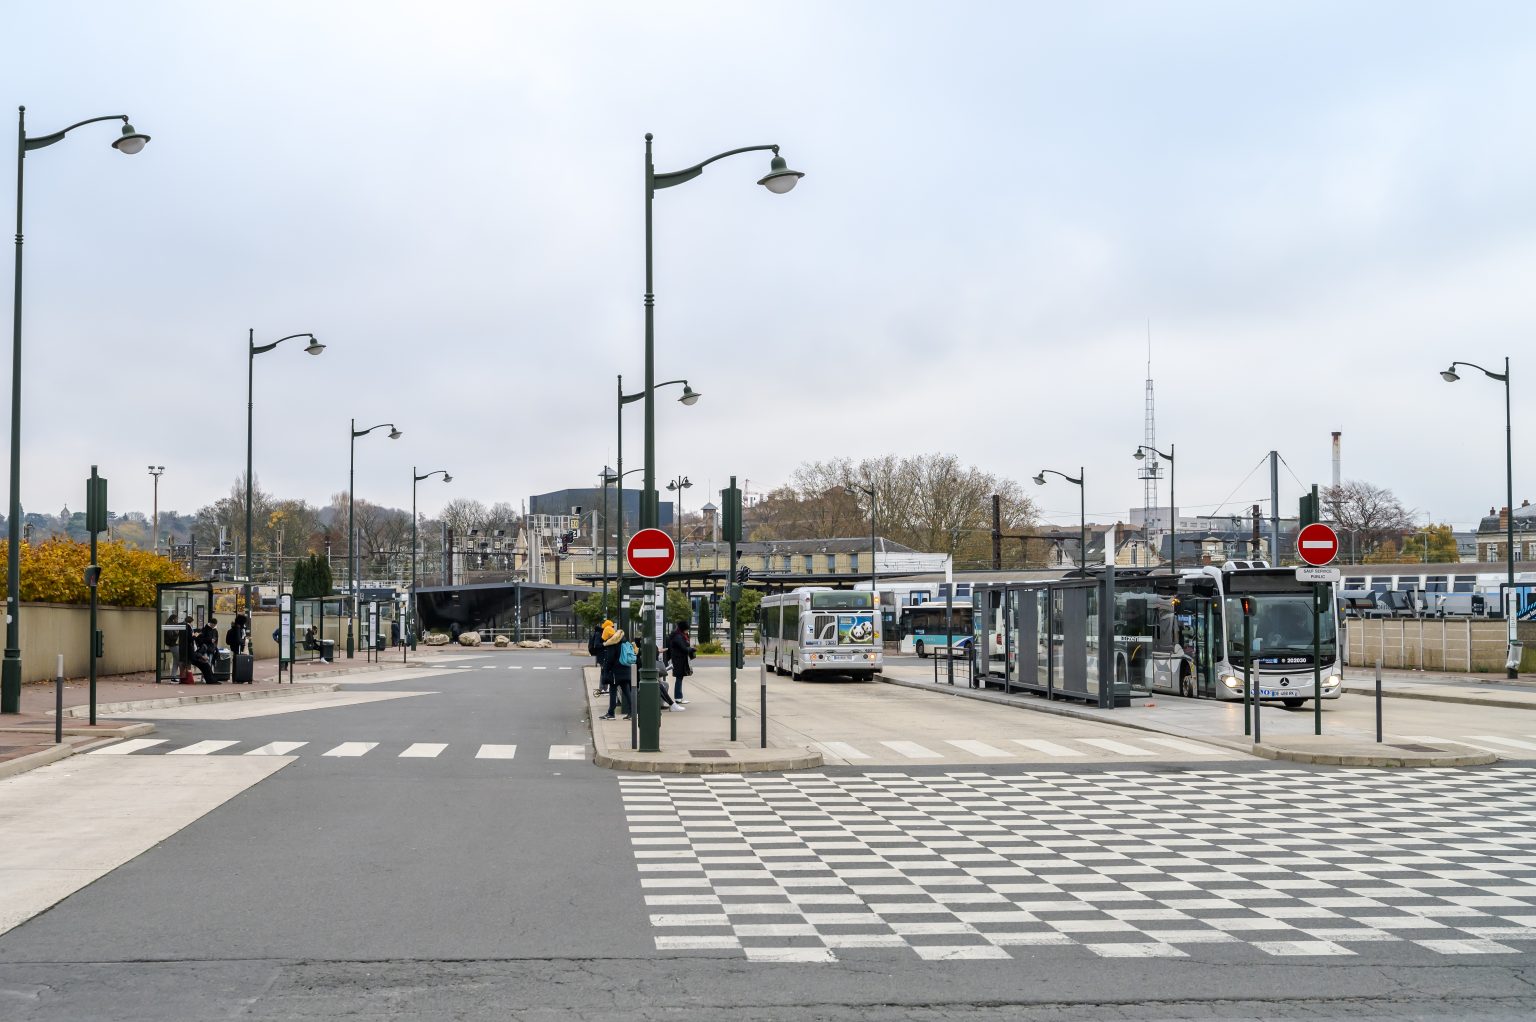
[926, 628]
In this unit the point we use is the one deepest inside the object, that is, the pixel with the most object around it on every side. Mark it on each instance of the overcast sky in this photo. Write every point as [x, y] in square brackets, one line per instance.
[1315, 206]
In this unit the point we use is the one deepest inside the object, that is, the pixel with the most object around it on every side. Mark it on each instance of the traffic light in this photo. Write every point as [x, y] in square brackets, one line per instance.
[730, 513]
[743, 573]
[565, 541]
[1308, 514]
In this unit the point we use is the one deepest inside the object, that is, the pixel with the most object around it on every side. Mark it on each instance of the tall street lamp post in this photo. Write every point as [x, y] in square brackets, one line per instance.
[394, 434]
[154, 518]
[779, 179]
[677, 486]
[1173, 509]
[128, 143]
[869, 491]
[414, 480]
[252, 350]
[1082, 509]
[689, 397]
[1512, 665]
[606, 477]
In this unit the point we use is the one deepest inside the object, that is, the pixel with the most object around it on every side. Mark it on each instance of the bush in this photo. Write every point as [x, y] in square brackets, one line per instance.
[54, 572]
[711, 648]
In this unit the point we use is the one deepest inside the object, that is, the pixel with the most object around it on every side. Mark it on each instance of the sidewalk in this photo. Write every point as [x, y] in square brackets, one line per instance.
[1444, 687]
[697, 740]
[1286, 735]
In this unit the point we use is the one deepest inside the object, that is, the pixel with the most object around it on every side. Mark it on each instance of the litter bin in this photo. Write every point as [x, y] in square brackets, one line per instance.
[223, 664]
[245, 668]
[328, 649]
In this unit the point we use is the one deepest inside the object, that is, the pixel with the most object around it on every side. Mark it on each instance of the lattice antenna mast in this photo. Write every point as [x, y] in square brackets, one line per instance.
[1151, 467]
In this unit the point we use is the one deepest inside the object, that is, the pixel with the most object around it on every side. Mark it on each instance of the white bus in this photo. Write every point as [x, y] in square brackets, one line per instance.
[927, 628]
[817, 630]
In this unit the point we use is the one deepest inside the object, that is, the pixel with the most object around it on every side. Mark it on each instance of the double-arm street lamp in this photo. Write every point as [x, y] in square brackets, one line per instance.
[1512, 665]
[128, 143]
[414, 480]
[779, 179]
[1173, 509]
[253, 349]
[394, 434]
[688, 397]
[1082, 509]
[677, 486]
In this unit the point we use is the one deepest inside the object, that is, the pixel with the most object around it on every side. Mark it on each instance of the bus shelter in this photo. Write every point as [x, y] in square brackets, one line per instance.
[177, 603]
[327, 616]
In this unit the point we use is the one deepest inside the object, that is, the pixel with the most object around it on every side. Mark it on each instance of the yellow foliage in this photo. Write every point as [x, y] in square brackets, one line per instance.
[54, 572]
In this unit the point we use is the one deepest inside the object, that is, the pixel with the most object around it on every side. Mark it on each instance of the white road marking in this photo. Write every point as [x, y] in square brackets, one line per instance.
[131, 745]
[515, 667]
[1048, 748]
[567, 752]
[541, 668]
[1455, 741]
[496, 752]
[201, 748]
[488, 667]
[977, 748]
[69, 824]
[423, 750]
[1193, 748]
[277, 749]
[1118, 748]
[911, 750]
[1514, 743]
[352, 749]
[842, 750]
[240, 709]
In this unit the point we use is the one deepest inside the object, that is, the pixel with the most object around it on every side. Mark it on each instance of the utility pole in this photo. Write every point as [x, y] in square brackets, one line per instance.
[1274, 508]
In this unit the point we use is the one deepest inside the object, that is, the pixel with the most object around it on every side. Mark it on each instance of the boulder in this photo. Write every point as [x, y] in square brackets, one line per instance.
[502, 642]
[469, 639]
[435, 639]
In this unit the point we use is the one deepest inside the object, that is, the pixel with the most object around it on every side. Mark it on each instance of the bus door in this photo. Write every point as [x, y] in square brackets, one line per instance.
[1199, 635]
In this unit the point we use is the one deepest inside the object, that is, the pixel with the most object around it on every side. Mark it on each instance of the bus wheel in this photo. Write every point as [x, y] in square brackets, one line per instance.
[1293, 704]
[1185, 688]
[920, 651]
[794, 675]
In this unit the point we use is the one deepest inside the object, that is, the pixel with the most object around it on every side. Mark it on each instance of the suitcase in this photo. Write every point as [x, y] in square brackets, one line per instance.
[245, 669]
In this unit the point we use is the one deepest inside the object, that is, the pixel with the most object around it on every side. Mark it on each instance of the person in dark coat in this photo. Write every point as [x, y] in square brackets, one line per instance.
[595, 648]
[617, 673]
[235, 637]
[679, 652]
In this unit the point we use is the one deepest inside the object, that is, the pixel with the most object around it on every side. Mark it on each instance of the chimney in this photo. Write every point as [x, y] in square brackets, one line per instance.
[1336, 436]
[1503, 517]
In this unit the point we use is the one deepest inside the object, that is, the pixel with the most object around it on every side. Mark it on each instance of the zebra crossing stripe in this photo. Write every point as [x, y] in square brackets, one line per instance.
[201, 748]
[977, 748]
[1511, 742]
[567, 752]
[423, 750]
[277, 749]
[496, 752]
[912, 750]
[130, 746]
[1180, 745]
[352, 749]
[842, 750]
[1047, 748]
[1118, 748]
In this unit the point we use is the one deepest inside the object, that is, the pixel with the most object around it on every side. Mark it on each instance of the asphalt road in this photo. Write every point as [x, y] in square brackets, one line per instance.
[448, 885]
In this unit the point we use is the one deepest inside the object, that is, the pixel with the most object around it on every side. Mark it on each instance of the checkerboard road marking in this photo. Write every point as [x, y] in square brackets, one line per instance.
[1119, 863]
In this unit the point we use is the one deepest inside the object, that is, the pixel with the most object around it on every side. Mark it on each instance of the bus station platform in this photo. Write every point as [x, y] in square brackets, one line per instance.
[1287, 734]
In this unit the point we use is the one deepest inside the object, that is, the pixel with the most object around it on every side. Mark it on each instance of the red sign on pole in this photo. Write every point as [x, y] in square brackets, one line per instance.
[1317, 544]
[650, 553]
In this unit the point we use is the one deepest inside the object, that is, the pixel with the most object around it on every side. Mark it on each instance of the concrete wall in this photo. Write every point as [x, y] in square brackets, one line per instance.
[1433, 644]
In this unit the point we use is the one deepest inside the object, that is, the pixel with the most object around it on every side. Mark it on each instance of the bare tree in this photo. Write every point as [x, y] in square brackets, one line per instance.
[1369, 515]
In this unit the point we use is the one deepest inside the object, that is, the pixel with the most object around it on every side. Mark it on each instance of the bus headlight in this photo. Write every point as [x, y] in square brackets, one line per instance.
[1332, 681]
[1232, 681]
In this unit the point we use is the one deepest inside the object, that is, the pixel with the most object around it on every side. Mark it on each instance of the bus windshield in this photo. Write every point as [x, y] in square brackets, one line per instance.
[1282, 625]
[840, 600]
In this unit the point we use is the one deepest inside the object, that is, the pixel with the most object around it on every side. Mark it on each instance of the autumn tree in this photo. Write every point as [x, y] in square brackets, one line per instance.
[1371, 515]
[54, 572]
[1432, 544]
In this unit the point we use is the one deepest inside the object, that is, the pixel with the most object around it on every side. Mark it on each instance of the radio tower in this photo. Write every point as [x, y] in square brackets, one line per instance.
[1151, 466]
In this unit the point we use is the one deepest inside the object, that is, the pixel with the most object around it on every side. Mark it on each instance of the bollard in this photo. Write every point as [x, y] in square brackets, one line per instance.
[762, 710]
[1258, 729]
[1378, 700]
[58, 703]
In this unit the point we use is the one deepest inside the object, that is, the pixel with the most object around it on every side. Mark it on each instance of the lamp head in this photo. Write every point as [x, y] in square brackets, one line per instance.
[690, 396]
[395, 434]
[780, 178]
[447, 478]
[314, 347]
[1040, 479]
[1450, 375]
[130, 141]
[1140, 454]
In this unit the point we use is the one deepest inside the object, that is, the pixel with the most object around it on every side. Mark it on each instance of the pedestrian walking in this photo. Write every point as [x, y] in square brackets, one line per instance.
[453, 631]
[618, 656]
[235, 637]
[679, 653]
[394, 634]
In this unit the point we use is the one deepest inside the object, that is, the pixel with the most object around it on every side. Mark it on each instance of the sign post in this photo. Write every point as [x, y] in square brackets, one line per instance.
[730, 511]
[285, 636]
[1318, 545]
[95, 522]
[650, 554]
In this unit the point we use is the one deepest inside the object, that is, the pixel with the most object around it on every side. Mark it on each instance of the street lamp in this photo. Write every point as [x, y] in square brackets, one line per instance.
[1173, 509]
[1082, 506]
[394, 434]
[313, 348]
[688, 397]
[869, 491]
[779, 179]
[154, 523]
[677, 486]
[128, 143]
[414, 480]
[1512, 666]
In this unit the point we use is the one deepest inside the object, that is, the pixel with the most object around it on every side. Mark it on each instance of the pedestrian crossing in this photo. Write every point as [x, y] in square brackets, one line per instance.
[509, 667]
[1082, 749]
[342, 750]
[1523, 747]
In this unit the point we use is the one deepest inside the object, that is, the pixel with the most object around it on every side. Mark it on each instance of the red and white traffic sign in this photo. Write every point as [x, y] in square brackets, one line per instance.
[650, 553]
[1317, 544]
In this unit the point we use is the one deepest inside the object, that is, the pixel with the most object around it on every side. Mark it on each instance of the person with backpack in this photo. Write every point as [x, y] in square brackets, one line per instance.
[679, 652]
[618, 658]
[595, 650]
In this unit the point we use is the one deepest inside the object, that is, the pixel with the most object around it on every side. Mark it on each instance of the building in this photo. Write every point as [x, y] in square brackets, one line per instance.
[1493, 534]
[590, 498]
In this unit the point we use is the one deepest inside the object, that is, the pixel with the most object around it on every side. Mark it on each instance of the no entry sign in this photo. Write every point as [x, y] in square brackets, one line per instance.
[650, 553]
[1317, 544]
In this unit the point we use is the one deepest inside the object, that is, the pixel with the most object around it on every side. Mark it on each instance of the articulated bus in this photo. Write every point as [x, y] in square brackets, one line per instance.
[816, 630]
[1181, 634]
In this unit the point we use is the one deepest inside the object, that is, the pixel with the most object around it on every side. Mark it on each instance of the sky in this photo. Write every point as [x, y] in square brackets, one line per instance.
[1311, 208]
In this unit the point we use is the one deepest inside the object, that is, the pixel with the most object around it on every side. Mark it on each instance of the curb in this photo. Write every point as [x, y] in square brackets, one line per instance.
[1437, 697]
[193, 700]
[654, 763]
[54, 753]
[122, 731]
[1342, 759]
